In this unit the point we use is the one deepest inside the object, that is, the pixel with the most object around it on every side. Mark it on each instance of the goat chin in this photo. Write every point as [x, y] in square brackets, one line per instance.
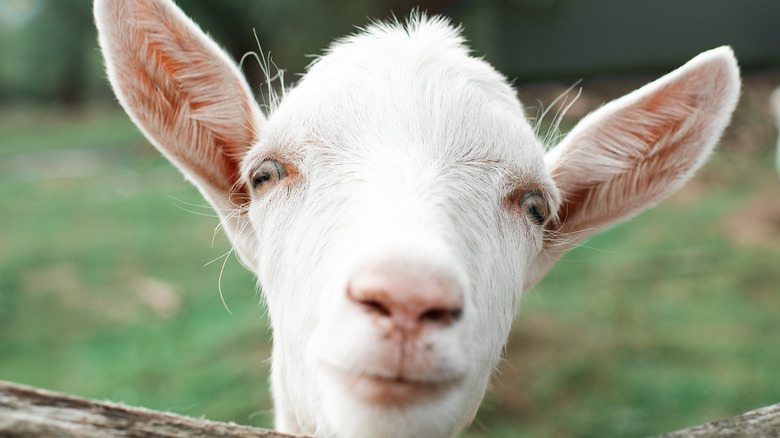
[350, 410]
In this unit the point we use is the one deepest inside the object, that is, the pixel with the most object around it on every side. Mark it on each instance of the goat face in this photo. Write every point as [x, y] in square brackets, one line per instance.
[393, 249]
[396, 204]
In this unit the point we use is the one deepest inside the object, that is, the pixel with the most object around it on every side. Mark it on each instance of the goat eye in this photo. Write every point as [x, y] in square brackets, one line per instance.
[267, 175]
[534, 205]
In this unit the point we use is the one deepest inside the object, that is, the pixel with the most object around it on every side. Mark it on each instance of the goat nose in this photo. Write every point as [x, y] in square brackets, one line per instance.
[407, 296]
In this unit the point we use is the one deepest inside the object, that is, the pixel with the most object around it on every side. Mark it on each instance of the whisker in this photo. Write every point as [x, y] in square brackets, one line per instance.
[219, 281]
[552, 131]
[273, 96]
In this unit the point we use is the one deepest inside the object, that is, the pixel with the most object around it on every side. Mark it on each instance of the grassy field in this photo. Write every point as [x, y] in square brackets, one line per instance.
[108, 290]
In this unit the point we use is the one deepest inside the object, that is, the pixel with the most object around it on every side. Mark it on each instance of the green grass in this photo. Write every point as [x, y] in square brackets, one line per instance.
[663, 322]
[75, 251]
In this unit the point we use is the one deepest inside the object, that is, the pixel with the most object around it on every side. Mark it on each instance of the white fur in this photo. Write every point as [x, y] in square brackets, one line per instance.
[402, 149]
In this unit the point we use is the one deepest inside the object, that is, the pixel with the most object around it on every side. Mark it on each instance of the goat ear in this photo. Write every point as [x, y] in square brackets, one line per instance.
[638, 149]
[187, 96]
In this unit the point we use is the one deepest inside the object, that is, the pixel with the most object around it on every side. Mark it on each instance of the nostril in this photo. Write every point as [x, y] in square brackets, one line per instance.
[373, 306]
[442, 316]
[369, 299]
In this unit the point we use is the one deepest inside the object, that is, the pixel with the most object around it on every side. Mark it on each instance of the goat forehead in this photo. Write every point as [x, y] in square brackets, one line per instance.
[440, 108]
[392, 74]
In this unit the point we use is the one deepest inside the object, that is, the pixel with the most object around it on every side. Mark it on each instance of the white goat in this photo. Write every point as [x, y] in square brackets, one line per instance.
[396, 204]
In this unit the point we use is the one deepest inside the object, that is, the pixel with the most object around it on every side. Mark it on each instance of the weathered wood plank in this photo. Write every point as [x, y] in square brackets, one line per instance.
[761, 423]
[30, 412]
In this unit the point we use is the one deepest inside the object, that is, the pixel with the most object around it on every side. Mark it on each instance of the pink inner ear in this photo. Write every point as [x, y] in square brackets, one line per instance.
[185, 94]
[640, 153]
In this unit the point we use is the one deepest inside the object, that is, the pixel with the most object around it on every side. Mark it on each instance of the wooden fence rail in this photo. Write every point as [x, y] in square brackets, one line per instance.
[30, 412]
[27, 412]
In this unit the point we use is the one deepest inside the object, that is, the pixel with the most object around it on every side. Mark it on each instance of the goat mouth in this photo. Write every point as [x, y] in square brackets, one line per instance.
[393, 391]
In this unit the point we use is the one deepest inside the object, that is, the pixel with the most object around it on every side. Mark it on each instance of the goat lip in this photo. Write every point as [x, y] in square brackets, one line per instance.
[381, 390]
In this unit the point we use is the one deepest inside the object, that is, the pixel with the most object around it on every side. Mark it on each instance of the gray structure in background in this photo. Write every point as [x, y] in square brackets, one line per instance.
[570, 39]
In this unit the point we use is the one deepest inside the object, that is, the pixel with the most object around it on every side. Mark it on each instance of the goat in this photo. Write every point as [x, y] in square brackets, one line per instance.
[396, 203]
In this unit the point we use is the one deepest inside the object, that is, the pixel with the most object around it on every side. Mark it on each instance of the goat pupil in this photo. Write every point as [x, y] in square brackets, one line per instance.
[538, 217]
[261, 178]
[530, 203]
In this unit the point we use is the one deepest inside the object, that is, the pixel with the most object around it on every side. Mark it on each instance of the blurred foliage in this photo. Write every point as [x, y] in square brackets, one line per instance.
[48, 48]
[44, 50]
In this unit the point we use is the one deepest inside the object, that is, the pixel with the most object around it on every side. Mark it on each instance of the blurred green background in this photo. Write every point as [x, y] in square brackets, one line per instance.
[110, 267]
